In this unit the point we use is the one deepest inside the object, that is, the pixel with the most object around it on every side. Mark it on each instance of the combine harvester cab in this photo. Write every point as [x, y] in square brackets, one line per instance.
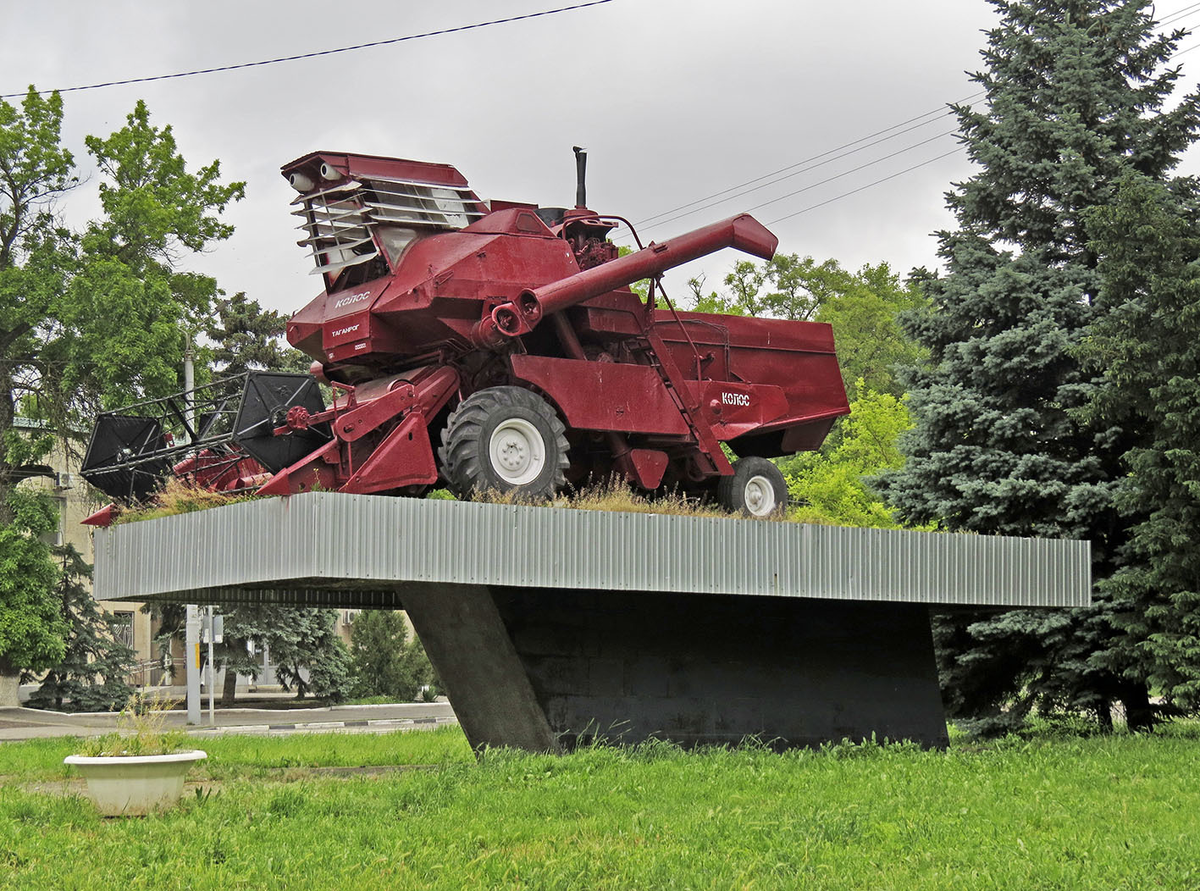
[491, 347]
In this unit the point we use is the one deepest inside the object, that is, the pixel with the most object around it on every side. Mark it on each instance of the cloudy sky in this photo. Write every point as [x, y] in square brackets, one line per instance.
[675, 100]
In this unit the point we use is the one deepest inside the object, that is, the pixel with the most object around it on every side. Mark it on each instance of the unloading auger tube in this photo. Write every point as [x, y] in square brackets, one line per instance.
[742, 232]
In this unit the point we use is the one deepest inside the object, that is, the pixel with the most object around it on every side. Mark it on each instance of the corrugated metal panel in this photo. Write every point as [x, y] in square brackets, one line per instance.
[319, 547]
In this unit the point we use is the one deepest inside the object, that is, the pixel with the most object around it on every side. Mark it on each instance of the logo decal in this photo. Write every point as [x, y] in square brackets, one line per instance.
[734, 398]
[353, 298]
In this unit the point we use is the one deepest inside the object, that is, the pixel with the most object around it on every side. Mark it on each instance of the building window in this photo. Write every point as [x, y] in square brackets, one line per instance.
[122, 628]
[55, 538]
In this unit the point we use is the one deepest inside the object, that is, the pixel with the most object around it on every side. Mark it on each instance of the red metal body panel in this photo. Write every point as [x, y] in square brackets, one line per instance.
[520, 316]
[604, 395]
[370, 166]
[381, 438]
[797, 357]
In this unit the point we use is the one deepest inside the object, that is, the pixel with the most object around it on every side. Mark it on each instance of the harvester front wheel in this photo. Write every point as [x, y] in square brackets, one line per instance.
[504, 439]
[756, 488]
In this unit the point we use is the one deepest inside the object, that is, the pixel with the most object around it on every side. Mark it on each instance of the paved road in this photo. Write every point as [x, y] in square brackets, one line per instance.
[27, 723]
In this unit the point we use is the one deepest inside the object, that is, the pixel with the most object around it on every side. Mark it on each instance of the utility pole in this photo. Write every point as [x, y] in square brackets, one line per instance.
[189, 386]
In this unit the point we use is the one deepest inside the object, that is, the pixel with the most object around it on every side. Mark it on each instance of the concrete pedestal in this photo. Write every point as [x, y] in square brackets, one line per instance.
[540, 667]
[550, 626]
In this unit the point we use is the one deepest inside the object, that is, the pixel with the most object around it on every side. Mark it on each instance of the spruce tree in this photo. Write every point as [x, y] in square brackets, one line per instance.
[385, 661]
[93, 674]
[247, 337]
[1147, 351]
[1076, 97]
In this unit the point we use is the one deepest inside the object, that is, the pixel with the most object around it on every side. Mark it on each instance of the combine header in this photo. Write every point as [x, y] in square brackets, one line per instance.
[490, 346]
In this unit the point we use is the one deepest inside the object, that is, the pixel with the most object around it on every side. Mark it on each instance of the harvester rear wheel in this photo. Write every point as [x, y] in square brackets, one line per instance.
[504, 439]
[756, 489]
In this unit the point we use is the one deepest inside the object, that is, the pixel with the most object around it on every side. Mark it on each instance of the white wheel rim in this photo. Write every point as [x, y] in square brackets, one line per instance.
[759, 496]
[517, 452]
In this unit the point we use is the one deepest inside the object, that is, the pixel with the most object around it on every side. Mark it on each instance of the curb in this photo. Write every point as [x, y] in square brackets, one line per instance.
[323, 726]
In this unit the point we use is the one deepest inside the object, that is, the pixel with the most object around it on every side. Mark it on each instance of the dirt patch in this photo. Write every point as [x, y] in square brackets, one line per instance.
[76, 786]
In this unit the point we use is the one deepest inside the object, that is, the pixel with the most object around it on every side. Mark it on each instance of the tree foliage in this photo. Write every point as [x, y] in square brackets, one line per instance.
[31, 629]
[307, 644]
[302, 643]
[35, 171]
[384, 660]
[247, 337]
[1076, 96]
[1147, 352]
[92, 675]
[834, 485]
[130, 311]
[86, 320]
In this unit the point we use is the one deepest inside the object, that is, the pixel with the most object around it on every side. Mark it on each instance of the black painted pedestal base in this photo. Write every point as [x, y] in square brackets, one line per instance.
[700, 669]
[545, 669]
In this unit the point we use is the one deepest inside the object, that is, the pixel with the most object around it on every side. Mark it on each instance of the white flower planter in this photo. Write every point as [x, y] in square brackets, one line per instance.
[132, 785]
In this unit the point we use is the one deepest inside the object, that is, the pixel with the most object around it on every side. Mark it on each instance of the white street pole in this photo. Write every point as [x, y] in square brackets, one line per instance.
[191, 637]
[212, 670]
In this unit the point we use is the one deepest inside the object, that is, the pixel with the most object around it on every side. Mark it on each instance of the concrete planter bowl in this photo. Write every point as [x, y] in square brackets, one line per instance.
[134, 785]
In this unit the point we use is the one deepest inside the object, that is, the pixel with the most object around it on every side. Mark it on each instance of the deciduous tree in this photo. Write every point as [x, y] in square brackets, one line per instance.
[834, 486]
[85, 321]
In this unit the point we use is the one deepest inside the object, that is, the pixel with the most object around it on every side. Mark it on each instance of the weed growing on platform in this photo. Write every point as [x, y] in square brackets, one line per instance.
[616, 496]
[177, 497]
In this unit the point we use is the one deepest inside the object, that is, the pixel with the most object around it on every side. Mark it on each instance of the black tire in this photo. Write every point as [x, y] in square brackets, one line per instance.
[505, 439]
[756, 489]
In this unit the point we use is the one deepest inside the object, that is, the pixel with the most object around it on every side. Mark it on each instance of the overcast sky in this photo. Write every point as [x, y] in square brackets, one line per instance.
[675, 100]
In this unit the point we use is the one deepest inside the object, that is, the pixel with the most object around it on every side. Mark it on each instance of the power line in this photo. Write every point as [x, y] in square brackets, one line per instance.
[737, 191]
[1178, 14]
[313, 55]
[838, 153]
[871, 163]
[691, 207]
[864, 188]
[822, 182]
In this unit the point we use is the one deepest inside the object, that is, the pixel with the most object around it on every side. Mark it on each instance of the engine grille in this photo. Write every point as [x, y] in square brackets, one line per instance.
[341, 222]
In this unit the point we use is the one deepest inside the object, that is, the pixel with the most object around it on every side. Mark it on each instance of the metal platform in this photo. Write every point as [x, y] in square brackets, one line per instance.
[328, 549]
[551, 626]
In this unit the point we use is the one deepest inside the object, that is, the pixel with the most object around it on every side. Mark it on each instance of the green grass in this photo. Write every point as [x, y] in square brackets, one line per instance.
[236, 756]
[1121, 812]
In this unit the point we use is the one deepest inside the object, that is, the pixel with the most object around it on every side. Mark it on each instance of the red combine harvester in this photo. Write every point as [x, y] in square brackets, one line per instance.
[489, 347]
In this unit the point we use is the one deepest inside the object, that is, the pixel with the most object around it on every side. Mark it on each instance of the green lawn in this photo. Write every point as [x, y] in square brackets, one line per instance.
[1118, 812]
